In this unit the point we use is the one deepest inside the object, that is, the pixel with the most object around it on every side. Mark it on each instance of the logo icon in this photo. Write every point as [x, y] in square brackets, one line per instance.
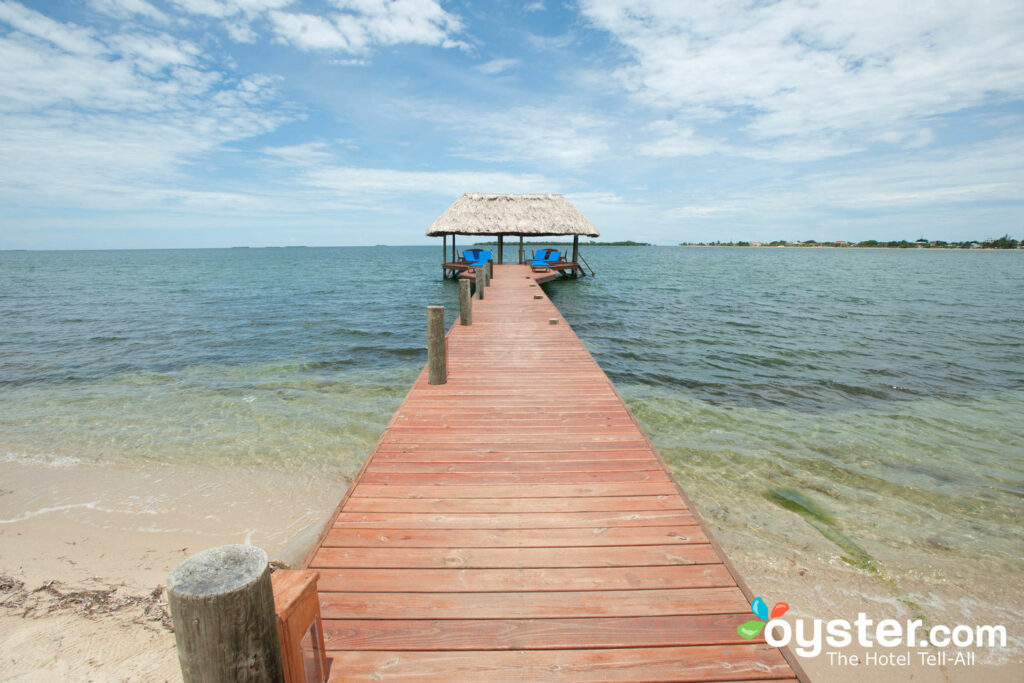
[752, 628]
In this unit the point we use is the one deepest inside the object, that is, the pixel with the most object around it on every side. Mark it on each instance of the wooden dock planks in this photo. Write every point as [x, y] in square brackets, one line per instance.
[516, 524]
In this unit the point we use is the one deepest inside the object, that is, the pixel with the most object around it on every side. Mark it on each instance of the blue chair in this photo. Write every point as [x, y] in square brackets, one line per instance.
[476, 257]
[545, 257]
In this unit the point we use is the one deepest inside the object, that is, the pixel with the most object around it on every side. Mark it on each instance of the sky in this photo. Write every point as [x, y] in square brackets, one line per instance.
[214, 123]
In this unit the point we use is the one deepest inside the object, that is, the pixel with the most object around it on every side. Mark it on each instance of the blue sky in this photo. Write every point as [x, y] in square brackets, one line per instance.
[193, 123]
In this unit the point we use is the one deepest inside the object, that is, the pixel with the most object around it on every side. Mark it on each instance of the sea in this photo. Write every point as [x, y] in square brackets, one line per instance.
[850, 422]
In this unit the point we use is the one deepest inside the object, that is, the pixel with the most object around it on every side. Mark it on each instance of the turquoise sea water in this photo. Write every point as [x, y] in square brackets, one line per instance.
[862, 406]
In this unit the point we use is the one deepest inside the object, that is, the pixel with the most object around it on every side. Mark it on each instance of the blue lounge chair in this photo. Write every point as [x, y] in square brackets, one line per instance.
[476, 257]
[545, 257]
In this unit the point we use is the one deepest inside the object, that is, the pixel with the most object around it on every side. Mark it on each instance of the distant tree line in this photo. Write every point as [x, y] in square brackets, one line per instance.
[1004, 242]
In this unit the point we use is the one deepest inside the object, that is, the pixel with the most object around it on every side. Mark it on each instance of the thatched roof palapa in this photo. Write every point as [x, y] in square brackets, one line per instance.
[512, 214]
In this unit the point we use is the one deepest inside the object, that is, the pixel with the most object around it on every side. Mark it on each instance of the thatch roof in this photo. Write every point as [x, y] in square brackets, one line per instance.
[512, 214]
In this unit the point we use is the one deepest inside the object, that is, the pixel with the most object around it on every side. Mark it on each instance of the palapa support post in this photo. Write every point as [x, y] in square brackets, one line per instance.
[480, 281]
[520, 250]
[501, 248]
[455, 254]
[444, 254]
[437, 365]
[222, 607]
[575, 252]
[465, 303]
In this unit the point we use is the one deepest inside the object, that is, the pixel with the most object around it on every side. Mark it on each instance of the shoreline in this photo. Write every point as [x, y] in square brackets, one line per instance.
[92, 544]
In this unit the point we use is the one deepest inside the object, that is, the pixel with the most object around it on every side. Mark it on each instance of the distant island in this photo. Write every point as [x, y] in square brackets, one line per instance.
[1004, 242]
[622, 243]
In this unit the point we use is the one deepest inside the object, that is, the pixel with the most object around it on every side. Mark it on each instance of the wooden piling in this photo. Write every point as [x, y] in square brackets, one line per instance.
[465, 303]
[436, 360]
[479, 280]
[222, 607]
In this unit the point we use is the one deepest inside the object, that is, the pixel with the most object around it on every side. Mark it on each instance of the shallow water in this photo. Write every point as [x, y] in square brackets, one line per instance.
[850, 408]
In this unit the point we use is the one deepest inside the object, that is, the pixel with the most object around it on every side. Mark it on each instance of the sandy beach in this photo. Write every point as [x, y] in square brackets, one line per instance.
[85, 550]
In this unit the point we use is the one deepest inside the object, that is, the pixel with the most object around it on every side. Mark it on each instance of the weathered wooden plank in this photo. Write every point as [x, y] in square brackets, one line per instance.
[442, 505]
[585, 556]
[536, 491]
[518, 521]
[521, 446]
[571, 537]
[696, 663]
[477, 478]
[537, 605]
[532, 634]
[511, 580]
[515, 466]
[438, 456]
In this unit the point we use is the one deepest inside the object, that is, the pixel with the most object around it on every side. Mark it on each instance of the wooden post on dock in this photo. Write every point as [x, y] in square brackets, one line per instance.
[455, 254]
[479, 280]
[465, 304]
[520, 250]
[437, 365]
[222, 606]
[501, 248]
[575, 252]
[444, 254]
[490, 272]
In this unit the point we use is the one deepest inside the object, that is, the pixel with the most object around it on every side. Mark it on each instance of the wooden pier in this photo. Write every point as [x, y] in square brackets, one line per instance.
[516, 524]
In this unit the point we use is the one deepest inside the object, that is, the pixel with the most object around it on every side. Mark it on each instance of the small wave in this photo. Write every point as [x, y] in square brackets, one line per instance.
[47, 510]
[48, 459]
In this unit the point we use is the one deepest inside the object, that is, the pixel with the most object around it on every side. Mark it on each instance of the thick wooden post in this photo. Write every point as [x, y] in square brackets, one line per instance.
[479, 280]
[575, 248]
[501, 248]
[520, 250]
[437, 362]
[444, 254]
[465, 304]
[222, 607]
[490, 272]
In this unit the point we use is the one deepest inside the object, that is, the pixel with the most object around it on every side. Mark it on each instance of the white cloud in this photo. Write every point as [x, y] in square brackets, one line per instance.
[673, 140]
[68, 37]
[98, 118]
[128, 8]
[311, 32]
[537, 6]
[358, 25]
[555, 133]
[829, 70]
[497, 66]
[309, 154]
[370, 184]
